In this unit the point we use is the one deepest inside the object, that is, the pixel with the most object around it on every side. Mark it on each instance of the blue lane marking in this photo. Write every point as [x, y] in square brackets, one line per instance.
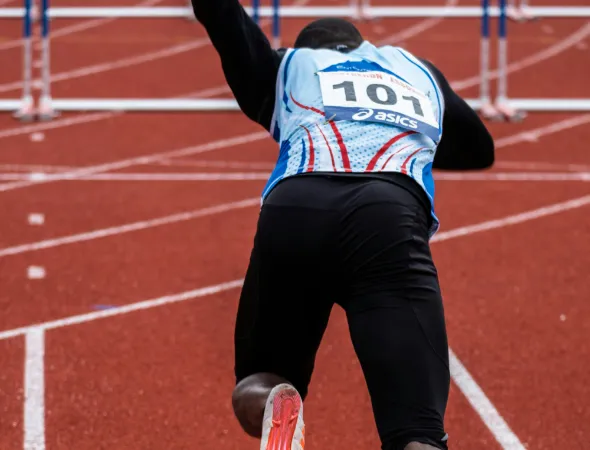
[104, 307]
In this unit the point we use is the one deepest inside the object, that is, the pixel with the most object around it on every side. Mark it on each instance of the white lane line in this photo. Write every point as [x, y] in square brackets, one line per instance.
[34, 386]
[147, 159]
[514, 219]
[75, 28]
[179, 162]
[535, 134]
[416, 29]
[120, 310]
[263, 176]
[34, 167]
[93, 117]
[483, 406]
[529, 165]
[129, 227]
[514, 176]
[141, 176]
[61, 123]
[475, 395]
[126, 62]
[524, 136]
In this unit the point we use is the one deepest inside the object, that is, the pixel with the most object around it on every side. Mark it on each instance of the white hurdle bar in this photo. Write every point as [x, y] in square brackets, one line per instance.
[10, 105]
[308, 12]
[311, 12]
[225, 105]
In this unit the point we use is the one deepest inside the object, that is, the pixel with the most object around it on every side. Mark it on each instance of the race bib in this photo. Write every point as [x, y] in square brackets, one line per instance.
[377, 97]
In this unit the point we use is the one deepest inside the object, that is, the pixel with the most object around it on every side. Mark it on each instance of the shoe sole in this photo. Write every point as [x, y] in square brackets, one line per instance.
[286, 407]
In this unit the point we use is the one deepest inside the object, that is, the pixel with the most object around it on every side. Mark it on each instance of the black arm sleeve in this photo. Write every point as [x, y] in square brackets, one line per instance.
[249, 63]
[466, 143]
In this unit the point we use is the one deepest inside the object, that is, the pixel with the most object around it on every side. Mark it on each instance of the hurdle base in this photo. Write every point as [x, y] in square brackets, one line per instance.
[508, 112]
[23, 109]
[490, 112]
[46, 110]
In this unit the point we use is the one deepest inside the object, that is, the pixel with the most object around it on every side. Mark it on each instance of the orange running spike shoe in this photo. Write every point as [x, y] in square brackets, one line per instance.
[283, 427]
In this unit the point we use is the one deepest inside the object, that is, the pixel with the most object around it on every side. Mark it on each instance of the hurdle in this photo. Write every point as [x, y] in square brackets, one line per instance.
[23, 108]
[49, 106]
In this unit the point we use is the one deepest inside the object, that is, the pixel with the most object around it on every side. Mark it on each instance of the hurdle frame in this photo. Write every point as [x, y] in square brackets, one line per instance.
[23, 107]
[49, 106]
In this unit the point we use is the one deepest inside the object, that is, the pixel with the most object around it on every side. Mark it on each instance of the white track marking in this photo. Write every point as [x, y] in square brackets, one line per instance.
[116, 64]
[147, 159]
[178, 162]
[93, 117]
[224, 207]
[513, 219]
[513, 176]
[34, 167]
[263, 176]
[143, 176]
[416, 29]
[34, 387]
[527, 165]
[62, 123]
[483, 406]
[562, 45]
[120, 310]
[75, 28]
[128, 61]
[536, 133]
[468, 386]
[36, 272]
[36, 219]
[258, 136]
[129, 227]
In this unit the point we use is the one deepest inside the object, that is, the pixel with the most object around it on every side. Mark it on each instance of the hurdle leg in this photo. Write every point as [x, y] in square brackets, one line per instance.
[488, 111]
[276, 24]
[502, 103]
[26, 112]
[45, 111]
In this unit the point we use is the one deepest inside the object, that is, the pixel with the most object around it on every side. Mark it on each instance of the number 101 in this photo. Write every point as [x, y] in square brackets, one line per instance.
[372, 93]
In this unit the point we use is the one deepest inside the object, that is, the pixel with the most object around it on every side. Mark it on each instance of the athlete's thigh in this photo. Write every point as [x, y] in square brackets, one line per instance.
[286, 300]
[396, 319]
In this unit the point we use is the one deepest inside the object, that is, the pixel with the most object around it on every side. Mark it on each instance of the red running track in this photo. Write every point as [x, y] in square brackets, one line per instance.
[516, 294]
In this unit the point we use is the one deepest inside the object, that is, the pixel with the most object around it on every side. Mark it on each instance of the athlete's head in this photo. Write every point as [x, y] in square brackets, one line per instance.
[337, 34]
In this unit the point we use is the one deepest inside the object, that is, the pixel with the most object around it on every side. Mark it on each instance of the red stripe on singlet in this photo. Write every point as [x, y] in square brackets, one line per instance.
[329, 148]
[383, 149]
[311, 161]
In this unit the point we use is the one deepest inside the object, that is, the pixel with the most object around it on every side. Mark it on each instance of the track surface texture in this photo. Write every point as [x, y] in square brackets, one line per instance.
[142, 249]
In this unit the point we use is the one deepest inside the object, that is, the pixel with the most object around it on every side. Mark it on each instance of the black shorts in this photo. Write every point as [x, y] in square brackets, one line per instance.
[361, 243]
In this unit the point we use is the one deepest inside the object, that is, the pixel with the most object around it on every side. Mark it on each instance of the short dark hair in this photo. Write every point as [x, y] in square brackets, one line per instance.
[334, 33]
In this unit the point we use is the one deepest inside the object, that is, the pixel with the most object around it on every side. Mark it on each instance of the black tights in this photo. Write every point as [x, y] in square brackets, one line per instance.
[362, 244]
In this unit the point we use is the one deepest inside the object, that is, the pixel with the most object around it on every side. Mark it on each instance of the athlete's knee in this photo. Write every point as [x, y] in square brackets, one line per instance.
[249, 400]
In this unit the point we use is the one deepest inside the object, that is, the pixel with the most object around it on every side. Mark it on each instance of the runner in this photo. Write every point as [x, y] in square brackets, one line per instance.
[346, 219]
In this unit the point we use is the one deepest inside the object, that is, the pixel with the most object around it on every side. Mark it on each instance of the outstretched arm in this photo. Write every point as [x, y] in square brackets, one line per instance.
[466, 143]
[249, 63]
